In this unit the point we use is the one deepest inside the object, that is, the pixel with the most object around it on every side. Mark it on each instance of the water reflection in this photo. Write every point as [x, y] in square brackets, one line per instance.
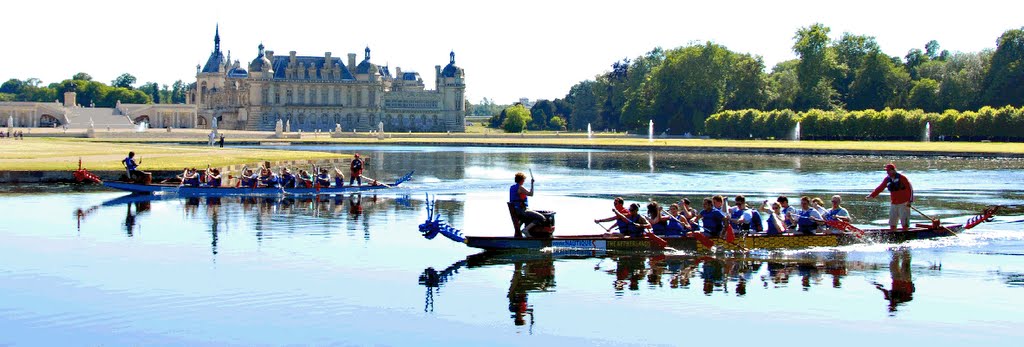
[533, 273]
[902, 289]
[265, 216]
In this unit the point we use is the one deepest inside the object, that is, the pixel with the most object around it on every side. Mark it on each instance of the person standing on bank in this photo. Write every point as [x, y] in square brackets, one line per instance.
[221, 141]
[518, 196]
[901, 196]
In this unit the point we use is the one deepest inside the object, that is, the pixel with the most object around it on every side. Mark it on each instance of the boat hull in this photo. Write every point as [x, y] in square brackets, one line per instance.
[616, 243]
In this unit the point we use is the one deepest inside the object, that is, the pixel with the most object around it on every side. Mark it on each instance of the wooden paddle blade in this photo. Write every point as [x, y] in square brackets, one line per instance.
[657, 241]
[704, 240]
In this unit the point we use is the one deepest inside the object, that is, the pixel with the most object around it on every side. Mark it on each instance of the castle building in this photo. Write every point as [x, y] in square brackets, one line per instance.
[321, 92]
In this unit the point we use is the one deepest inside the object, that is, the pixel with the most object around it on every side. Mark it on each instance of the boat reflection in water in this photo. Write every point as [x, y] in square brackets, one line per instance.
[266, 215]
[712, 275]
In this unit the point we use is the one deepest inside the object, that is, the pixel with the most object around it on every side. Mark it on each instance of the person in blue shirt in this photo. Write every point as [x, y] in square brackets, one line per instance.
[518, 196]
[339, 178]
[807, 217]
[635, 224]
[323, 179]
[712, 219]
[287, 178]
[776, 224]
[132, 167]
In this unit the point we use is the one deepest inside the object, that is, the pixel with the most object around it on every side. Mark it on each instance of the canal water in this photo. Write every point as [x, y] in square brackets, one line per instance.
[87, 266]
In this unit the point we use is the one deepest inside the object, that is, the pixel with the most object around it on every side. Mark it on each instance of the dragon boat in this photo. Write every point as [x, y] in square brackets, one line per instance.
[141, 188]
[847, 235]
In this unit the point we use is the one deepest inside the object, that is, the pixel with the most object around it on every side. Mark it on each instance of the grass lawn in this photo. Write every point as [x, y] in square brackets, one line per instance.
[51, 154]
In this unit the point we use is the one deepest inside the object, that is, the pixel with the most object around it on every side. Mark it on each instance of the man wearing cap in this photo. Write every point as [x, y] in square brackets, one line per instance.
[901, 194]
[356, 170]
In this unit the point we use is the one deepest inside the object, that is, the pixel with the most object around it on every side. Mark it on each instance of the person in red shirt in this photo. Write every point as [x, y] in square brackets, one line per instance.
[620, 208]
[901, 195]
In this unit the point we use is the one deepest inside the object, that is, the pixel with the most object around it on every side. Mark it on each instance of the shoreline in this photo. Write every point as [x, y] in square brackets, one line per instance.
[43, 166]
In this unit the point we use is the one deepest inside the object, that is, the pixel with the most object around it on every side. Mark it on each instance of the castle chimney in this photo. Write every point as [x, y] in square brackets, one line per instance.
[69, 99]
[352, 62]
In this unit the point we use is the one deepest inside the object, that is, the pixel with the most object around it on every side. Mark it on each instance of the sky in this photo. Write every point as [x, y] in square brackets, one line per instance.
[509, 49]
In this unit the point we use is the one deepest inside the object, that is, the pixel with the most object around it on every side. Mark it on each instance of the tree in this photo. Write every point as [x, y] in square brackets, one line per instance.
[850, 52]
[153, 90]
[817, 64]
[81, 76]
[541, 112]
[783, 85]
[516, 118]
[915, 57]
[925, 95]
[877, 83]
[583, 103]
[124, 81]
[12, 86]
[1003, 82]
[963, 81]
[931, 49]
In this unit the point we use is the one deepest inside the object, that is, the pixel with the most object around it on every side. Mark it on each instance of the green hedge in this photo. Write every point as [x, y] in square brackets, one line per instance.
[996, 124]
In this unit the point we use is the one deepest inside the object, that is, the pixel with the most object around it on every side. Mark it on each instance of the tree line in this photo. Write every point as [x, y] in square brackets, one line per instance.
[988, 123]
[94, 93]
[680, 88]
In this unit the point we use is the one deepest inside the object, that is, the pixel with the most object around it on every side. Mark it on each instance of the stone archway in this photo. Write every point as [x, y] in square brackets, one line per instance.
[201, 122]
[140, 119]
[49, 121]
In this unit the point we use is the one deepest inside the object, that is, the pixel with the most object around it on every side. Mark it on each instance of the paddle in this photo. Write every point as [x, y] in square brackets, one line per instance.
[655, 240]
[844, 225]
[934, 221]
[607, 230]
[704, 240]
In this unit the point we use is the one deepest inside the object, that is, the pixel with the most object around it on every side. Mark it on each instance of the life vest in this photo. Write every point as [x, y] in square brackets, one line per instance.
[357, 165]
[894, 184]
[324, 180]
[772, 229]
[805, 218]
[755, 221]
[712, 221]
[519, 201]
[629, 227]
[737, 216]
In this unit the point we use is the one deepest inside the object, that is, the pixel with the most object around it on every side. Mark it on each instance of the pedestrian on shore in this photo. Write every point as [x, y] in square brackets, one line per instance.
[901, 196]
[221, 142]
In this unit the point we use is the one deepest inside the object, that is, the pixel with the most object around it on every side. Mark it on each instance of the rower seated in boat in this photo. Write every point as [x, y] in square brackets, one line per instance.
[269, 179]
[741, 217]
[213, 178]
[712, 219]
[776, 224]
[304, 179]
[323, 180]
[634, 224]
[662, 223]
[518, 197]
[339, 178]
[807, 217]
[619, 209]
[189, 178]
[248, 178]
[287, 179]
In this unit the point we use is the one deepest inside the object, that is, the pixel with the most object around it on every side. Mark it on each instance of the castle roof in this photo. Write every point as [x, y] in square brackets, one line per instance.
[281, 62]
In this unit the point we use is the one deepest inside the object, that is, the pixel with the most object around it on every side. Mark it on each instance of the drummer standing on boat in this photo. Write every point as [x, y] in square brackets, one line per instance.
[356, 170]
[901, 195]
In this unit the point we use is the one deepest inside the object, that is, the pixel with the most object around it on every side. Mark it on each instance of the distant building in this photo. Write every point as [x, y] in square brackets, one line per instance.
[317, 92]
[74, 116]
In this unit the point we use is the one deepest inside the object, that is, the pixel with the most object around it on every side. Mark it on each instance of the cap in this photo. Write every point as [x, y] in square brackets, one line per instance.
[890, 166]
